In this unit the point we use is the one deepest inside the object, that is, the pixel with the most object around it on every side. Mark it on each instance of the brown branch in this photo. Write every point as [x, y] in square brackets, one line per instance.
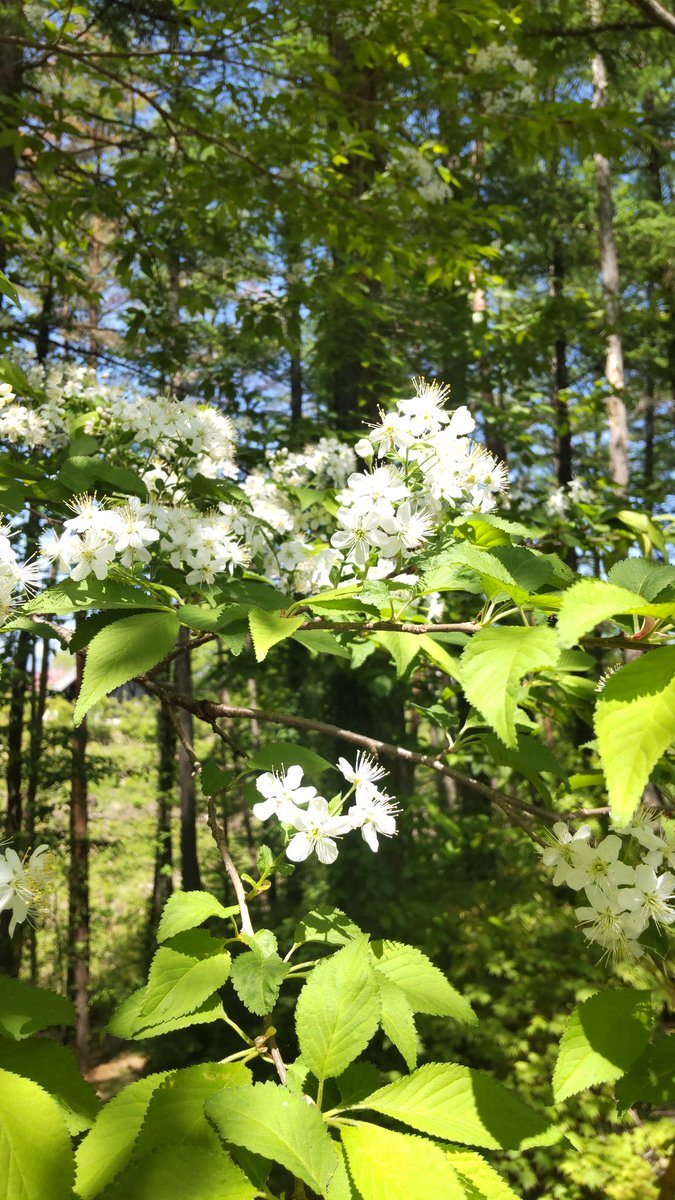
[395, 626]
[658, 15]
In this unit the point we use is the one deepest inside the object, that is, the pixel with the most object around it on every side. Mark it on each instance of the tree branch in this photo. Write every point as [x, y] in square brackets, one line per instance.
[658, 15]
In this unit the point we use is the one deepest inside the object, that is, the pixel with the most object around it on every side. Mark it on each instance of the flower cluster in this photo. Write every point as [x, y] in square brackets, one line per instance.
[426, 465]
[13, 577]
[317, 824]
[175, 429]
[623, 893]
[99, 535]
[559, 502]
[21, 884]
[32, 430]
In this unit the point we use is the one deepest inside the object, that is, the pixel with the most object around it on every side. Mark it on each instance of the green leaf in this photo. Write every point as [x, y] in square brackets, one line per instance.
[651, 1077]
[276, 756]
[640, 575]
[177, 1171]
[271, 1121]
[257, 979]
[635, 724]
[175, 1113]
[7, 288]
[438, 655]
[36, 1158]
[403, 647]
[591, 601]
[122, 651]
[130, 1021]
[54, 1068]
[507, 570]
[320, 641]
[109, 1145]
[493, 665]
[399, 1166]
[268, 628]
[202, 617]
[186, 910]
[446, 1100]
[425, 987]
[68, 597]
[398, 1022]
[329, 926]
[603, 1037]
[179, 983]
[338, 1010]
[25, 1009]
[481, 1179]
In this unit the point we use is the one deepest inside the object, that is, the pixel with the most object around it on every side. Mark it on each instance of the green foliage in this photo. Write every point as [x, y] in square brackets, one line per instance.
[448, 1101]
[36, 1158]
[398, 1166]
[650, 1077]
[338, 1010]
[257, 978]
[121, 651]
[604, 1036]
[493, 665]
[425, 987]
[269, 628]
[25, 1010]
[186, 910]
[271, 1121]
[635, 725]
[107, 1148]
[176, 1171]
[54, 1068]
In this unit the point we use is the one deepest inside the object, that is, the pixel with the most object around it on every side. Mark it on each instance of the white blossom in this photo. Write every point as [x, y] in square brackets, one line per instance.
[317, 831]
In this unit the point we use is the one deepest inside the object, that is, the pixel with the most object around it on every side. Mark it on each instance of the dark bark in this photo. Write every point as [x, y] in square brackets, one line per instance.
[162, 885]
[15, 728]
[11, 79]
[190, 873]
[560, 374]
[78, 892]
[38, 705]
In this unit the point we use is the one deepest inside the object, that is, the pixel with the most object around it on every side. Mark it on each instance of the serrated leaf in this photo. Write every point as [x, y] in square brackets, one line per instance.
[175, 1113]
[330, 926]
[399, 1166]
[271, 1121]
[320, 641]
[54, 1068]
[36, 1158]
[591, 601]
[257, 979]
[180, 1170]
[635, 724]
[358, 1081]
[68, 597]
[640, 575]
[403, 647]
[130, 1020]
[449, 1101]
[603, 1037]
[108, 1146]
[186, 910]
[482, 1178]
[121, 651]
[338, 1010]
[424, 986]
[268, 628]
[510, 570]
[493, 665]
[25, 1009]
[179, 983]
[651, 1077]
[398, 1022]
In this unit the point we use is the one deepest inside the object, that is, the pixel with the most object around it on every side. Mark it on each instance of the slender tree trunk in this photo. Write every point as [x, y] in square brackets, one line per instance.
[36, 736]
[15, 727]
[614, 366]
[490, 402]
[78, 900]
[190, 874]
[560, 374]
[11, 80]
[162, 886]
[292, 252]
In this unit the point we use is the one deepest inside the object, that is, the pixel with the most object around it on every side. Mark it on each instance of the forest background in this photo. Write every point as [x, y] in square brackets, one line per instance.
[288, 210]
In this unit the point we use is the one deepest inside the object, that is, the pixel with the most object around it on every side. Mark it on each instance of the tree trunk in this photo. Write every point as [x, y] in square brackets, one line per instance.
[614, 369]
[15, 726]
[560, 375]
[78, 898]
[33, 782]
[162, 886]
[190, 874]
[11, 79]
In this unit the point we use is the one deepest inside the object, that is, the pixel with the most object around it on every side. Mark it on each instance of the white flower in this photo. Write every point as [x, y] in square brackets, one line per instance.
[643, 829]
[375, 491]
[608, 925]
[92, 554]
[407, 529]
[651, 897]
[373, 814]
[21, 884]
[393, 433]
[282, 794]
[599, 865]
[560, 854]
[317, 831]
[360, 534]
[364, 448]
[364, 774]
[425, 410]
